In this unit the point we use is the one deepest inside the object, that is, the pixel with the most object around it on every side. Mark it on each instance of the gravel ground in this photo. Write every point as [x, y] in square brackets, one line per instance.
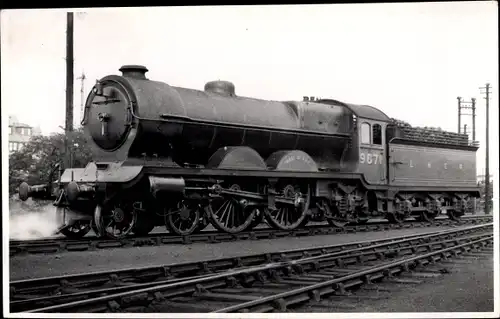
[467, 288]
[34, 266]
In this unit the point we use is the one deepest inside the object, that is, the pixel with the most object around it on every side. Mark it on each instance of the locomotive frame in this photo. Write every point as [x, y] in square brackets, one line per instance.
[342, 166]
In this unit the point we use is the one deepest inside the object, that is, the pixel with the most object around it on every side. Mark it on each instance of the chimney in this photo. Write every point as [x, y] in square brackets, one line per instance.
[134, 71]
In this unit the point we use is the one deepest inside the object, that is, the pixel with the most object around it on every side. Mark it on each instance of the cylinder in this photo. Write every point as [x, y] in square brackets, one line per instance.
[166, 184]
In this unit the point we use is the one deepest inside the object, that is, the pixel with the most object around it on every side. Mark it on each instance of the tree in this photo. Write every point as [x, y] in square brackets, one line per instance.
[34, 162]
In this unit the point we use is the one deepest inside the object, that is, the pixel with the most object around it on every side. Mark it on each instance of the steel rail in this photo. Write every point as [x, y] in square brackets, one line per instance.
[53, 240]
[190, 284]
[58, 284]
[128, 299]
[359, 277]
[59, 245]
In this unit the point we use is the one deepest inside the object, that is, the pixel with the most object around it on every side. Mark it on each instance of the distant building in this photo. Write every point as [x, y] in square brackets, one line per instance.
[20, 134]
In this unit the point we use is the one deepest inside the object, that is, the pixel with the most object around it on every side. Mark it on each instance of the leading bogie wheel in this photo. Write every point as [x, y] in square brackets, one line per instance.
[292, 215]
[184, 218]
[229, 213]
[115, 221]
[77, 229]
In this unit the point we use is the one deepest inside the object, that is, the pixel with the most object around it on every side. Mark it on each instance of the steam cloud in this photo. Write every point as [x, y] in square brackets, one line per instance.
[32, 220]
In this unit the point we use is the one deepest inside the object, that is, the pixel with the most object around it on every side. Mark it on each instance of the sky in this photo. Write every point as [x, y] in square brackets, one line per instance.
[409, 60]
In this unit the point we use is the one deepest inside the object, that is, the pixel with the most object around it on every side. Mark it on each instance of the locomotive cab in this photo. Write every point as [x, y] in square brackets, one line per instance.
[372, 124]
[372, 150]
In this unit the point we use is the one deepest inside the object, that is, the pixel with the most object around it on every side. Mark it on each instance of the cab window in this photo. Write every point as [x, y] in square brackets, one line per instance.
[377, 134]
[365, 133]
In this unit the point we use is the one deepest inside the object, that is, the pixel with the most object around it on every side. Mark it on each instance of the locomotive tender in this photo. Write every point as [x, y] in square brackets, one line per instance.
[165, 155]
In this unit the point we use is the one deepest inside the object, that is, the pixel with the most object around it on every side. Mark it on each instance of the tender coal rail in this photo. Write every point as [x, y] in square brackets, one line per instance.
[58, 245]
[120, 290]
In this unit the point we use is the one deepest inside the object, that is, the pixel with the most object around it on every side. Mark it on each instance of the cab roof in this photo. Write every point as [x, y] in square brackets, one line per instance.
[364, 111]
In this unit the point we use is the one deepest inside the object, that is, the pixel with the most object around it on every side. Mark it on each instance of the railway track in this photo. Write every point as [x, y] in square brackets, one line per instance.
[58, 245]
[263, 282]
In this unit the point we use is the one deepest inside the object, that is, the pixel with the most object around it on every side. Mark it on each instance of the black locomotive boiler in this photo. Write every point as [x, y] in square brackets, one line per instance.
[165, 155]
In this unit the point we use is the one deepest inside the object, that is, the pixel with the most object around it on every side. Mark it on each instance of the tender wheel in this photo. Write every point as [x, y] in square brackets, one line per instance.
[336, 219]
[229, 214]
[362, 221]
[286, 216]
[337, 223]
[431, 211]
[115, 221]
[426, 216]
[401, 211]
[183, 219]
[453, 214]
[395, 217]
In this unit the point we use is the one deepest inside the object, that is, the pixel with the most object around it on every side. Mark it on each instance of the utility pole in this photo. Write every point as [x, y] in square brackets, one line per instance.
[82, 92]
[473, 119]
[471, 106]
[487, 173]
[69, 85]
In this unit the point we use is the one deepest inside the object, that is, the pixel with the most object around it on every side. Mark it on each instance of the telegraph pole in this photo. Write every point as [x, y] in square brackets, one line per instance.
[471, 106]
[69, 85]
[473, 119]
[487, 173]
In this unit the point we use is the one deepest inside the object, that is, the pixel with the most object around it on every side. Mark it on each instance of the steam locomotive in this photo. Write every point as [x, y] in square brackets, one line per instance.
[165, 155]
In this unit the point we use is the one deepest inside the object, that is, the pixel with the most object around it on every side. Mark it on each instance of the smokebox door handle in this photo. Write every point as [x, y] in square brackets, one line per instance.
[104, 118]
